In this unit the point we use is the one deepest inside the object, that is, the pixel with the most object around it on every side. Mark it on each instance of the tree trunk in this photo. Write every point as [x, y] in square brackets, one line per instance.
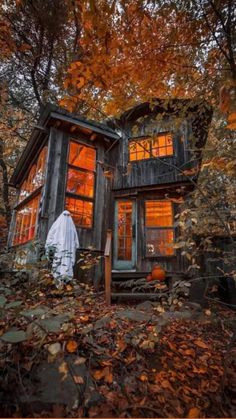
[5, 192]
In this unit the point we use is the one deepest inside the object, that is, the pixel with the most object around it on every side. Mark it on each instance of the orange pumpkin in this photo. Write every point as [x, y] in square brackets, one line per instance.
[158, 273]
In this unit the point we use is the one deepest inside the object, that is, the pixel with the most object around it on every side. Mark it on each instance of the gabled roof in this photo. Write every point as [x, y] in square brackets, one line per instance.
[197, 109]
[51, 116]
[200, 111]
[170, 106]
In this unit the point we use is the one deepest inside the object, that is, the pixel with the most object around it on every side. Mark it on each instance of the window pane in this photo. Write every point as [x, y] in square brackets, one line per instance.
[81, 211]
[161, 145]
[124, 250]
[36, 176]
[40, 170]
[26, 221]
[159, 242]
[82, 156]
[80, 183]
[158, 213]
[139, 150]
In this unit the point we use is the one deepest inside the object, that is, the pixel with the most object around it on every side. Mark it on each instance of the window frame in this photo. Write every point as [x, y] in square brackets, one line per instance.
[158, 228]
[37, 192]
[150, 138]
[80, 169]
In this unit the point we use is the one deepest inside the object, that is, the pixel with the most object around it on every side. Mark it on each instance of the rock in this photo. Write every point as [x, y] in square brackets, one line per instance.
[54, 324]
[135, 315]
[99, 324]
[177, 315]
[35, 312]
[192, 305]
[145, 306]
[53, 384]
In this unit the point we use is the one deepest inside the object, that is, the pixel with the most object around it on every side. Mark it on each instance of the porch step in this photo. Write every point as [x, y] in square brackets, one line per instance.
[125, 276]
[128, 285]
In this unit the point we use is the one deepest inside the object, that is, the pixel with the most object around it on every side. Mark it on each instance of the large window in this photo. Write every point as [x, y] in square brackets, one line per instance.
[159, 230]
[81, 184]
[145, 148]
[29, 198]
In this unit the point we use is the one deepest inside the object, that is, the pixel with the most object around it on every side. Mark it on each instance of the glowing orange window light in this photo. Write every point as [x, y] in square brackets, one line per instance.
[159, 146]
[80, 183]
[82, 156]
[159, 228]
[26, 221]
[81, 211]
[27, 214]
[159, 214]
[36, 175]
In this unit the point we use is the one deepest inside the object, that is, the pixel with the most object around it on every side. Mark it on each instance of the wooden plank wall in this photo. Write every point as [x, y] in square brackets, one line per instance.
[54, 189]
[153, 171]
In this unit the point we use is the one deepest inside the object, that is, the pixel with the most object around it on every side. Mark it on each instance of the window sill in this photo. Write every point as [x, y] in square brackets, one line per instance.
[152, 159]
[15, 246]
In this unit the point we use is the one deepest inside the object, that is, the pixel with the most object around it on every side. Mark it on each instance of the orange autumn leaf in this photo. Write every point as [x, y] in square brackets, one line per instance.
[71, 346]
[200, 344]
[143, 377]
[105, 374]
[98, 375]
[112, 324]
[121, 345]
[108, 376]
[166, 385]
[80, 83]
[194, 412]
[201, 370]
[84, 318]
[190, 352]
[172, 346]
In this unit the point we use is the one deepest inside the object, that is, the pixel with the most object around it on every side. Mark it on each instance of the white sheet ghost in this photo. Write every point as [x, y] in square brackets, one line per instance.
[63, 240]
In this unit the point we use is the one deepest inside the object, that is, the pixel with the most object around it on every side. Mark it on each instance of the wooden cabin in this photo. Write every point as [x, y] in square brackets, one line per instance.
[124, 175]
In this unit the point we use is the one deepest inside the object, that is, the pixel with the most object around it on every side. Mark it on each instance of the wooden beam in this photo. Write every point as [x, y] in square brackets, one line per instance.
[57, 124]
[108, 268]
[73, 128]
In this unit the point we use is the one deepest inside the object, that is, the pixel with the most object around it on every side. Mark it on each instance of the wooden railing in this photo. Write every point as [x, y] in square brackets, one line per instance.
[108, 267]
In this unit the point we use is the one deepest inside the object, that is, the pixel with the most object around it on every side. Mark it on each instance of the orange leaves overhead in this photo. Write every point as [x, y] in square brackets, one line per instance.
[122, 43]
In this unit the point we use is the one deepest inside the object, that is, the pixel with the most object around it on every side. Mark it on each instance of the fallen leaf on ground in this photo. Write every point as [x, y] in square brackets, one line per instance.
[71, 346]
[200, 344]
[194, 412]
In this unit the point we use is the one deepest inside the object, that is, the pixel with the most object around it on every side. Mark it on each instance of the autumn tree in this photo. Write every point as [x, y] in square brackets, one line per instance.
[153, 49]
[139, 50]
[38, 40]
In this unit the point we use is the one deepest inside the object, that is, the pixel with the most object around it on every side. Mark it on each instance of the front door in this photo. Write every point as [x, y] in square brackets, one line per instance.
[125, 235]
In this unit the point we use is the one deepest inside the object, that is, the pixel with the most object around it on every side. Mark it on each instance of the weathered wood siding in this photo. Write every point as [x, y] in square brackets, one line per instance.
[53, 202]
[54, 189]
[154, 171]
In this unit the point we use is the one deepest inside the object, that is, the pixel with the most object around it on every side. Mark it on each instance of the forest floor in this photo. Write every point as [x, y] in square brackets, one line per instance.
[67, 354]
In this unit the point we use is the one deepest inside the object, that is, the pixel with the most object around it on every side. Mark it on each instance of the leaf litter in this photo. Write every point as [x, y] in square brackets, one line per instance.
[120, 366]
